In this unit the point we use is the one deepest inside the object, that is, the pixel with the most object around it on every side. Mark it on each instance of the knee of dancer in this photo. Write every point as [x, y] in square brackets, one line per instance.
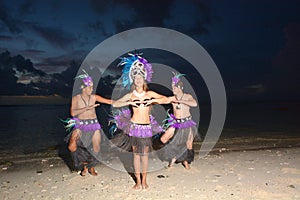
[96, 149]
[72, 147]
[163, 140]
[189, 145]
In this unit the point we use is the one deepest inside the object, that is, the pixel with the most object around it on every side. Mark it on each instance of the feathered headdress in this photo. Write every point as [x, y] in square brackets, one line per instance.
[86, 79]
[134, 65]
[176, 80]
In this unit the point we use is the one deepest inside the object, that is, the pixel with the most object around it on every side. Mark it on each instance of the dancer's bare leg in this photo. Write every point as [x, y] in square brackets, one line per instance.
[137, 167]
[92, 171]
[73, 140]
[167, 135]
[72, 146]
[84, 171]
[145, 161]
[172, 162]
[189, 142]
[189, 145]
[165, 138]
[96, 140]
[186, 165]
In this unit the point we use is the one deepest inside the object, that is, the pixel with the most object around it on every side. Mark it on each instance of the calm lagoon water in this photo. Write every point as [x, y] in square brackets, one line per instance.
[34, 128]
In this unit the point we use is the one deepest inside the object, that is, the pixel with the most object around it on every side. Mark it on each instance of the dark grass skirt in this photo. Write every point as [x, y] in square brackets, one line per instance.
[141, 145]
[177, 147]
[124, 142]
[84, 154]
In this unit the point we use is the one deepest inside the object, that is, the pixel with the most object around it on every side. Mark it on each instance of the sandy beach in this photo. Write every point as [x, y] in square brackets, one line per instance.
[253, 159]
[267, 173]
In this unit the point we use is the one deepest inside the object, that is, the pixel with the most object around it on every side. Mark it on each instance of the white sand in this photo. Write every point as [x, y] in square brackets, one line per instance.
[259, 174]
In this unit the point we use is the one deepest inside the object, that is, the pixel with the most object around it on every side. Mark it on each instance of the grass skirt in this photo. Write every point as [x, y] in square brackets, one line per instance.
[176, 147]
[84, 152]
[132, 136]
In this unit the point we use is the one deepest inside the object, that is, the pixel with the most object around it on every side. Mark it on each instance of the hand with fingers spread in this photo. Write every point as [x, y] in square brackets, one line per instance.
[92, 106]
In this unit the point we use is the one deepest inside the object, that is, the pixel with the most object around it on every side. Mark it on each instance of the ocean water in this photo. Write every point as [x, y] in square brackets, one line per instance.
[35, 128]
[263, 119]
[31, 128]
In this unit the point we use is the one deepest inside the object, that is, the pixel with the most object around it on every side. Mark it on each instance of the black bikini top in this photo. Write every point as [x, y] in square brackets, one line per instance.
[139, 104]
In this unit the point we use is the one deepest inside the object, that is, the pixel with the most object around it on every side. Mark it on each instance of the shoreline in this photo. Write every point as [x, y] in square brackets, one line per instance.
[33, 100]
[234, 144]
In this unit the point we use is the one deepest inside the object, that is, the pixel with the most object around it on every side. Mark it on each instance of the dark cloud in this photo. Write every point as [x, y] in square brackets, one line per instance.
[57, 37]
[146, 13]
[3, 49]
[60, 63]
[5, 38]
[150, 13]
[97, 26]
[187, 16]
[23, 65]
[54, 36]
[191, 17]
[54, 61]
[100, 6]
[26, 8]
[10, 68]
[32, 54]
[32, 51]
[12, 24]
[19, 77]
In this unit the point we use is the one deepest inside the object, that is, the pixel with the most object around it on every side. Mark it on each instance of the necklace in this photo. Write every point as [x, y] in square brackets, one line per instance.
[178, 106]
[139, 95]
[86, 104]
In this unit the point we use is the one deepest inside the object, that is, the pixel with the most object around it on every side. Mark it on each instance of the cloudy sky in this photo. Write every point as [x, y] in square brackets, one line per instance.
[255, 44]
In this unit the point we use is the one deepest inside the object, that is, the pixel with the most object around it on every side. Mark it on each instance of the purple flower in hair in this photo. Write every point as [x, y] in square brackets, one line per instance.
[86, 79]
[176, 78]
[147, 67]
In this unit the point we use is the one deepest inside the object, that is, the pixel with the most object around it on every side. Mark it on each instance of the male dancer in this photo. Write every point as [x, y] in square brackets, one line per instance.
[181, 128]
[85, 138]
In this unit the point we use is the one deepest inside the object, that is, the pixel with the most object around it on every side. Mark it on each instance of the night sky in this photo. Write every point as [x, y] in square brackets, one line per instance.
[255, 44]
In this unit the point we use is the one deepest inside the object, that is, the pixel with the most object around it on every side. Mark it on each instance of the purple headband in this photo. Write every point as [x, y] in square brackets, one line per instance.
[86, 79]
[176, 78]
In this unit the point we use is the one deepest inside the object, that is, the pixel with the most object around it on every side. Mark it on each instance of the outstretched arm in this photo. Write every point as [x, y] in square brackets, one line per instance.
[158, 98]
[124, 101]
[103, 100]
[190, 101]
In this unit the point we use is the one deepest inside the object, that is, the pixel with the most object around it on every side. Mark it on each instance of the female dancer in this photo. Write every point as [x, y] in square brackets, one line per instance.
[141, 126]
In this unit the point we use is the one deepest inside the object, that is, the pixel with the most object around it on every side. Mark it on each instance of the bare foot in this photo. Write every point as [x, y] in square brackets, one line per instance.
[186, 165]
[172, 162]
[145, 186]
[137, 186]
[84, 171]
[93, 172]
